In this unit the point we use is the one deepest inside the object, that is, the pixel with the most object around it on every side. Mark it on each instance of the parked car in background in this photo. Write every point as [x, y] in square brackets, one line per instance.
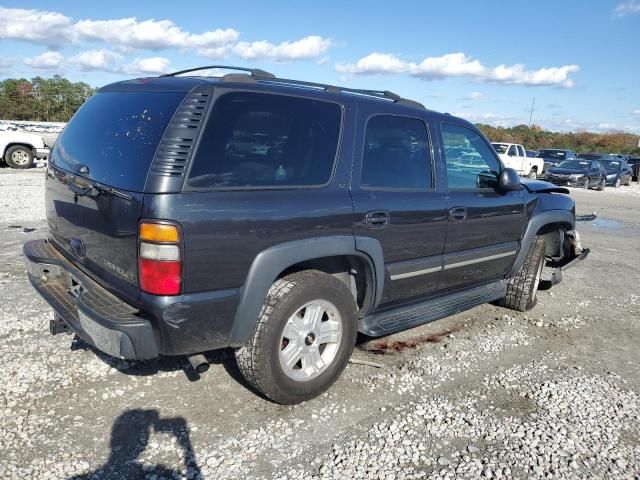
[634, 163]
[20, 149]
[552, 157]
[514, 156]
[595, 156]
[578, 173]
[531, 153]
[618, 172]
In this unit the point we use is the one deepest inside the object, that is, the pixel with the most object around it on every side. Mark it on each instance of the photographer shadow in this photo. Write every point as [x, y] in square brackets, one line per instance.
[129, 438]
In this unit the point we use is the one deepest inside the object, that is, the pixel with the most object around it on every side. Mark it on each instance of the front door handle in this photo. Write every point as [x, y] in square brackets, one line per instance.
[377, 219]
[458, 213]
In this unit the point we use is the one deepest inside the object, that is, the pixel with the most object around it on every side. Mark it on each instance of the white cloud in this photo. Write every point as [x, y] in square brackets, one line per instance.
[92, 60]
[636, 111]
[449, 65]
[489, 118]
[373, 63]
[475, 96]
[148, 66]
[304, 49]
[6, 63]
[46, 61]
[459, 65]
[626, 8]
[151, 34]
[47, 28]
[516, 74]
[126, 35]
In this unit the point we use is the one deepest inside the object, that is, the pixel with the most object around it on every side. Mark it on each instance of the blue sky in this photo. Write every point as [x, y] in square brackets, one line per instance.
[485, 61]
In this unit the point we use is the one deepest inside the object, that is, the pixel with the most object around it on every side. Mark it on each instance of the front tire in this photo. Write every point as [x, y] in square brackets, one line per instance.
[533, 174]
[586, 183]
[602, 186]
[617, 184]
[523, 287]
[303, 338]
[19, 157]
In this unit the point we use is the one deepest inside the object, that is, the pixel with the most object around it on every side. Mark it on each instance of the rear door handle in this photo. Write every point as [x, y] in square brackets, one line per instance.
[378, 218]
[458, 213]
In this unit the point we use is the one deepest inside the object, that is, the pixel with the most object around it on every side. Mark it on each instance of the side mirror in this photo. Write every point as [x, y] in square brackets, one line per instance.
[509, 180]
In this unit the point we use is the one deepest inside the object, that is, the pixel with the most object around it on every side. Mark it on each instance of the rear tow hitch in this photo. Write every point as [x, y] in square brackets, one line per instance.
[56, 326]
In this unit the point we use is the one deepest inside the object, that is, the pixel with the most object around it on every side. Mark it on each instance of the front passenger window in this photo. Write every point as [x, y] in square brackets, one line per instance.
[477, 167]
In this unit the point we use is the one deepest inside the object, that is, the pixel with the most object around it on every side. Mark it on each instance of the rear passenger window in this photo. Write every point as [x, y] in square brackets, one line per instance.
[470, 161]
[396, 154]
[262, 140]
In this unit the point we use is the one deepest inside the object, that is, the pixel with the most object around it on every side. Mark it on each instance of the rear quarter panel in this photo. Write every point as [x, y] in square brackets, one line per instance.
[225, 230]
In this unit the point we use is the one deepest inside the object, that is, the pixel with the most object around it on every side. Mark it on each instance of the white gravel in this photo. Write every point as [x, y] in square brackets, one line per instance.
[22, 197]
[493, 394]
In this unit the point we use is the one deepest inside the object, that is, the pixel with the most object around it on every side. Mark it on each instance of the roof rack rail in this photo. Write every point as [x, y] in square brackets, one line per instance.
[255, 72]
[260, 75]
[384, 94]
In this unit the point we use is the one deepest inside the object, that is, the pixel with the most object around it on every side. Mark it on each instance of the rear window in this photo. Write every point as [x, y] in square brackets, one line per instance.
[500, 147]
[262, 140]
[115, 135]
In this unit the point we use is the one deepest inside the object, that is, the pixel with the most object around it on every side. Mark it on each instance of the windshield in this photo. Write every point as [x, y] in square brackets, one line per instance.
[611, 166]
[575, 164]
[115, 135]
[557, 154]
[500, 147]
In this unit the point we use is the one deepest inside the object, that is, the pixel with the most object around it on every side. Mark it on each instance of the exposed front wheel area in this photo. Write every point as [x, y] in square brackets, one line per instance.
[533, 173]
[303, 339]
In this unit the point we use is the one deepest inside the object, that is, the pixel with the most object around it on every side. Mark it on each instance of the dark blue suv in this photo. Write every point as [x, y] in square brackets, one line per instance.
[279, 218]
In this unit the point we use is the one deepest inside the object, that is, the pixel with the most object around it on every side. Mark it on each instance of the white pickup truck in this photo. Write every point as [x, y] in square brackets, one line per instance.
[514, 156]
[19, 149]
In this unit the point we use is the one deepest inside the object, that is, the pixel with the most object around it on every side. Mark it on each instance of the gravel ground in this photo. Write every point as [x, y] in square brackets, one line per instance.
[489, 393]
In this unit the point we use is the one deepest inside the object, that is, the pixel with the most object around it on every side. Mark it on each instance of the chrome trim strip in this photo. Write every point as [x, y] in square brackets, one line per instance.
[415, 273]
[479, 260]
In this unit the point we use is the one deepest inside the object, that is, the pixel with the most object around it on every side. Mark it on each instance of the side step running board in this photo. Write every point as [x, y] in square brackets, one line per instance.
[401, 318]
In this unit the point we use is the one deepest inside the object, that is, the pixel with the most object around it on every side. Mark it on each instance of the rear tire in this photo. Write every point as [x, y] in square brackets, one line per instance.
[522, 289]
[265, 361]
[617, 184]
[19, 157]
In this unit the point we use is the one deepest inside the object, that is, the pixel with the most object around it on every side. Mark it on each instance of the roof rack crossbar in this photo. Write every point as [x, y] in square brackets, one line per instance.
[255, 72]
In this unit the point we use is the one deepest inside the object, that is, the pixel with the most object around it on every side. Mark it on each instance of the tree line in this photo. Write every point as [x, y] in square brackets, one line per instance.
[56, 99]
[42, 99]
[536, 138]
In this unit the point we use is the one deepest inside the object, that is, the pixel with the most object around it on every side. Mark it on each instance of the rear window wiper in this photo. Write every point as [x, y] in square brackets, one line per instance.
[95, 189]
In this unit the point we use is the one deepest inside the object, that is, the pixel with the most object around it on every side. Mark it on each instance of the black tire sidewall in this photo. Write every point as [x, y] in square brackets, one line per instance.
[326, 288]
[9, 161]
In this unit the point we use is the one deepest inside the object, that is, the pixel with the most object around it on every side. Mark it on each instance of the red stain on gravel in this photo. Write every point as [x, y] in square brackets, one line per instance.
[389, 346]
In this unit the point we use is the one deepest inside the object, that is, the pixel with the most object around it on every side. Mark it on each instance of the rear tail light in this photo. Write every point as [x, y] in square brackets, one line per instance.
[160, 262]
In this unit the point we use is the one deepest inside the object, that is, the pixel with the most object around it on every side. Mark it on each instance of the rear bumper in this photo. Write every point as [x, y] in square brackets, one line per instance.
[95, 315]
